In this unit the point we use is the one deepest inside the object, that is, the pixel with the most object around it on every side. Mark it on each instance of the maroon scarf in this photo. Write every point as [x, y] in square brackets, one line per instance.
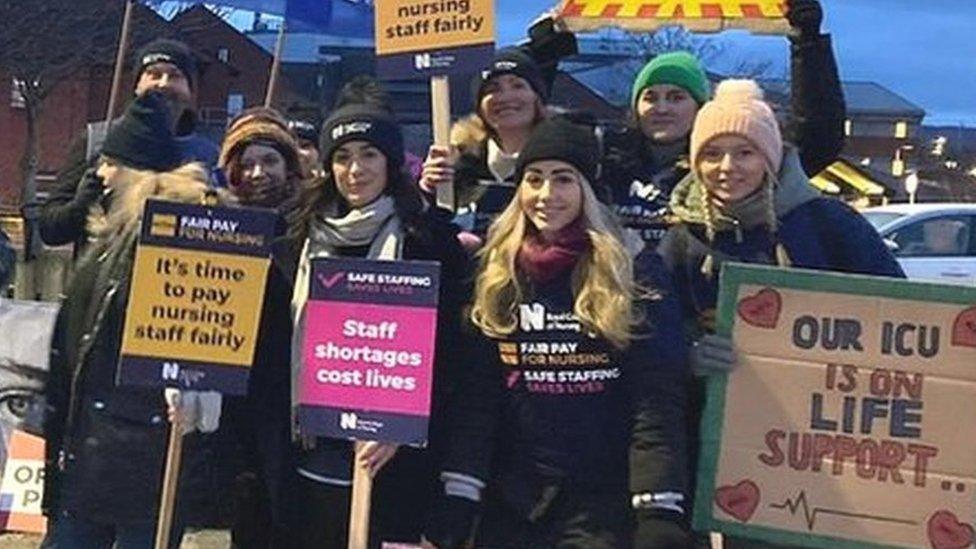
[543, 261]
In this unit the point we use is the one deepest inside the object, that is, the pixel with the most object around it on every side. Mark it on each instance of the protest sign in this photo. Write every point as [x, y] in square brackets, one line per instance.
[196, 296]
[849, 419]
[368, 350]
[422, 38]
[22, 486]
[767, 16]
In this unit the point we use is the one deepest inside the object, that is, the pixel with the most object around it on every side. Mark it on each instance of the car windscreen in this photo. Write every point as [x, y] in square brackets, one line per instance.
[880, 219]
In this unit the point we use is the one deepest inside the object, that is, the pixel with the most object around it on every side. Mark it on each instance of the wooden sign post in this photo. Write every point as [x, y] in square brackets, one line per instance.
[368, 361]
[194, 309]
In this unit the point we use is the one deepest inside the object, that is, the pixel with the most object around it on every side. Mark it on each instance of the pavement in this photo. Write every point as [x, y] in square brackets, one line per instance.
[205, 539]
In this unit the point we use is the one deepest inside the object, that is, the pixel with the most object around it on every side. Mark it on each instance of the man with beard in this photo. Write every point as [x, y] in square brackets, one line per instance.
[163, 65]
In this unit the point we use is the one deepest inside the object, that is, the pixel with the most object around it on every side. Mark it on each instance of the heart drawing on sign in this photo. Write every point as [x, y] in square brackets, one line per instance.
[739, 501]
[761, 310]
[964, 329]
[946, 532]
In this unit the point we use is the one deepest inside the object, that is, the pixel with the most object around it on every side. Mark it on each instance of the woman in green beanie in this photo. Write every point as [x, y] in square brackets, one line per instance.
[644, 162]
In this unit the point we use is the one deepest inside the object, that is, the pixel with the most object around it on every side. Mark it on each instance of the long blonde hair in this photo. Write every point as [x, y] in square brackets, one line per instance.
[603, 283]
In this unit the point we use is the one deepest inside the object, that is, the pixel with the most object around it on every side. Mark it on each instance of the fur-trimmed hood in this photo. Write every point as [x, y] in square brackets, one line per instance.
[128, 189]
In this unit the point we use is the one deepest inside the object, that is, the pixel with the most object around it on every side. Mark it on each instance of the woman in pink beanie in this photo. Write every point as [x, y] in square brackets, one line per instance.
[747, 199]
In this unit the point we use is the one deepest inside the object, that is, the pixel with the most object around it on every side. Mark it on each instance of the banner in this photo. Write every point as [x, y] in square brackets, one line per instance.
[849, 420]
[368, 350]
[422, 38]
[764, 16]
[346, 18]
[196, 296]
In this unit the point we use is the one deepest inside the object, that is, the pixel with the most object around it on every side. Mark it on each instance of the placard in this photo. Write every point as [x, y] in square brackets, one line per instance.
[196, 296]
[849, 420]
[368, 350]
[423, 38]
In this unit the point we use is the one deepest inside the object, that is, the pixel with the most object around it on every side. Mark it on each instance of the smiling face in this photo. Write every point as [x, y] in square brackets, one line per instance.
[167, 79]
[509, 103]
[359, 170]
[731, 167]
[665, 113]
[551, 195]
[263, 176]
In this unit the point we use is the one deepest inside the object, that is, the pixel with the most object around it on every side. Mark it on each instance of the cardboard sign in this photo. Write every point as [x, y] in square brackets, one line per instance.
[849, 420]
[422, 38]
[766, 16]
[195, 302]
[368, 350]
[22, 487]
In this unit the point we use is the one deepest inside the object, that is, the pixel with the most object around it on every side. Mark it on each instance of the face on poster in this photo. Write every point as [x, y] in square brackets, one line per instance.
[849, 416]
[368, 350]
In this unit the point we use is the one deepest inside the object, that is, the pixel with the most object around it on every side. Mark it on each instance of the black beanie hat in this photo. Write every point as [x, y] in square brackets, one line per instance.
[560, 139]
[304, 130]
[143, 137]
[167, 51]
[515, 61]
[363, 122]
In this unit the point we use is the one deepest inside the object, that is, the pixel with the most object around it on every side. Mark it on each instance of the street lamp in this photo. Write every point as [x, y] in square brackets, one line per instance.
[898, 166]
[911, 186]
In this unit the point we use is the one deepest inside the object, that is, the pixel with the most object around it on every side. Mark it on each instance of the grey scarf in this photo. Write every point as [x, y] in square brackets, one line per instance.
[375, 225]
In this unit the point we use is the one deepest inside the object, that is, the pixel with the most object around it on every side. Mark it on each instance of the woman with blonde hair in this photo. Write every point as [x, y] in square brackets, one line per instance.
[748, 199]
[580, 394]
[106, 442]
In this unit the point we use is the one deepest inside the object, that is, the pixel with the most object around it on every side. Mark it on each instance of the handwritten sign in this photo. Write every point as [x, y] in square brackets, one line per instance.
[850, 415]
[196, 296]
[368, 350]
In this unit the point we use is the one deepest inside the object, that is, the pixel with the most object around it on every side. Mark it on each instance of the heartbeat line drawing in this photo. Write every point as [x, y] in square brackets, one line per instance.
[810, 515]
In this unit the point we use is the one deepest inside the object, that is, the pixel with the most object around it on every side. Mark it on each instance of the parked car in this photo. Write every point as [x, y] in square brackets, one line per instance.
[935, 242]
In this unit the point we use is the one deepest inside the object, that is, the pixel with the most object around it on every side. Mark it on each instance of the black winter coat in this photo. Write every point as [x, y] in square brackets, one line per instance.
[641, 189]
[549, 408]
[106, 444]
[268, 406]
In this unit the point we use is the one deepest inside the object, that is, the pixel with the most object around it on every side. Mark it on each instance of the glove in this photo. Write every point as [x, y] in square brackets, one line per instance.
[805, 16]
[90, 188]
[195, 410]
[712, 354]
[549, 41]
[656, 532]
[450, 523]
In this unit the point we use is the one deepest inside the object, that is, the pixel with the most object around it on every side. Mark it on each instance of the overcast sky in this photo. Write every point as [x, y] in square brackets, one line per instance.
[925, 50]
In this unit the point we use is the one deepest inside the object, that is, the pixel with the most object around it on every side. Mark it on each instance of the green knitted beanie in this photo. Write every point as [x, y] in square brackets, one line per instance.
[678, 68]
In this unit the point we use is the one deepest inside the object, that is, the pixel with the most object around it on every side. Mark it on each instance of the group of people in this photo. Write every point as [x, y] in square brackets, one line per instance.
[579, 284]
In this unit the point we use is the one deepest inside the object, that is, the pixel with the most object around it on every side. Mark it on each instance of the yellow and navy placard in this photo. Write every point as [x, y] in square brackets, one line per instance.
[766, 16]
[195, 301]
[421, 38]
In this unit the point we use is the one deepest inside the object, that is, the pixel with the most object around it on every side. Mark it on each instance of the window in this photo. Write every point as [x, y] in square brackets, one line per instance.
[848, 127]
[901, 129]
[223, 54]
[17, 94]
[235, 104]
[944, 236]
